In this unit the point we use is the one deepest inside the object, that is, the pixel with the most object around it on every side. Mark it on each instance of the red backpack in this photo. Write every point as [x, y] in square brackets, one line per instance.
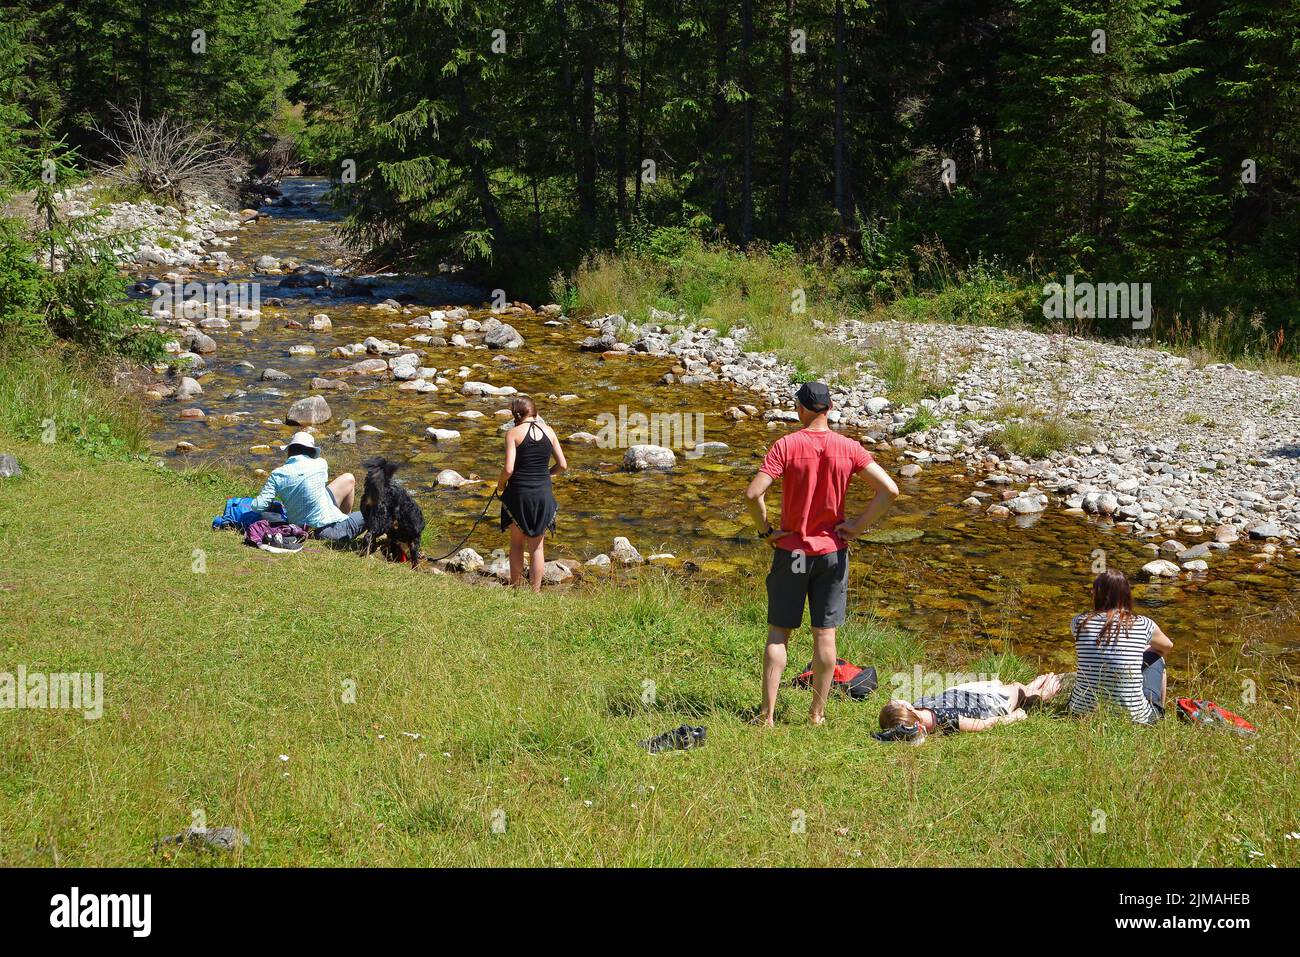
[1207, 714]
[857, 683]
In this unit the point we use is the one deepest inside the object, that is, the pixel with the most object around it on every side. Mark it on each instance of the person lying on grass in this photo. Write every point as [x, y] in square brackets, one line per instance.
[1120, 655]
[974, 706]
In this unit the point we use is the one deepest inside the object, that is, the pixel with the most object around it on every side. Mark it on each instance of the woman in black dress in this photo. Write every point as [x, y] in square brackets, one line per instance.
[527, 503]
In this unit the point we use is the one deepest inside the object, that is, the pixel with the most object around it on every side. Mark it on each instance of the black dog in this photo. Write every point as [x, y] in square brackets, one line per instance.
[391, 512]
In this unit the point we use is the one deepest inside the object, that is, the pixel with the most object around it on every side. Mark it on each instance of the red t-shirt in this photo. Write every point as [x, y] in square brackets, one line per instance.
[814, 469]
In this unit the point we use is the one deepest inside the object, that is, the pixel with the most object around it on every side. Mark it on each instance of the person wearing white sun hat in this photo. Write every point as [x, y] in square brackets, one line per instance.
[310, 499]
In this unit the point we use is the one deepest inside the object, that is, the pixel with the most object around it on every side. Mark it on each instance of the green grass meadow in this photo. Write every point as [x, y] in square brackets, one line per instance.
[530, 705]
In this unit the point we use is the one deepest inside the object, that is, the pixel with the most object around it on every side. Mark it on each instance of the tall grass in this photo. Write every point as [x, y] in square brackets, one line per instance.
[1037, 436]
[58, 394]
[784, 302]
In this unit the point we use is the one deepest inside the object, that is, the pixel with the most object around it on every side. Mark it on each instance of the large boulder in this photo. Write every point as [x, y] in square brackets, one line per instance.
[504, 336]
[312, 410]
[187, 389]
[641, 457]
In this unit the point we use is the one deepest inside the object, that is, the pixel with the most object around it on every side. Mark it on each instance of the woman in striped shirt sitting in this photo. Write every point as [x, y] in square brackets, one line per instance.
[1119, 654]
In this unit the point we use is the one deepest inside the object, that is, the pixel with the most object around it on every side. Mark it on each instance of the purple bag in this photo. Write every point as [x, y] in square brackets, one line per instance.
[284, 537]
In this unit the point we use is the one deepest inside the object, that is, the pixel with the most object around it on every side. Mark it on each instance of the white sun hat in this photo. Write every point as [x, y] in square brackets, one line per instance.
[305, 440]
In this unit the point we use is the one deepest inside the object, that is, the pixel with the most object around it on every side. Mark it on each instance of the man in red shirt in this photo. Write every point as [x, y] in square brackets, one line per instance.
[810, 562]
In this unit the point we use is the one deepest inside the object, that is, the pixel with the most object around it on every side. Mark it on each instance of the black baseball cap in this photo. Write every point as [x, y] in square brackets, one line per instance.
[814, 396]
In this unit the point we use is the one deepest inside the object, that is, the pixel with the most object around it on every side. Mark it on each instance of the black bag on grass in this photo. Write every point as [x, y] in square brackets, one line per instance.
[857, 683]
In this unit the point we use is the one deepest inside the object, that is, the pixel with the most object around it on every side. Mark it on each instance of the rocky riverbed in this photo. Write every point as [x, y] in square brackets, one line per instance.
[1176, 448]
[420, 368]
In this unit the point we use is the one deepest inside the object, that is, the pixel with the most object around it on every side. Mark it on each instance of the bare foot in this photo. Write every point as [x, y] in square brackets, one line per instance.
[817, 718]
[762, 721]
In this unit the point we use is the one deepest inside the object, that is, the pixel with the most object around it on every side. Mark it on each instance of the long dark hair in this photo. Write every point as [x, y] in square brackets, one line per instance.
[1112, 597]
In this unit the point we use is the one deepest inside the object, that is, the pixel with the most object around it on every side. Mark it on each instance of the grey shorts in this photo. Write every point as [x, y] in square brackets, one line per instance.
[1153, 679]
[820, 580]
[343, 530]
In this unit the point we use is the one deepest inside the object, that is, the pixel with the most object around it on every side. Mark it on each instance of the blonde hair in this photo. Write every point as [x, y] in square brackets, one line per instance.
[894, 714]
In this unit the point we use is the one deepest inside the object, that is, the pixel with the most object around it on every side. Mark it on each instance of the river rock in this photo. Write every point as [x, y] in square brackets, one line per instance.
[1026, 504]
[555, 572]
[187, 389]
[273, 375]
[313, 410]
[624, 553]
[910, 470]
[486, 388]
[320, 323]
[642, 457]
[1193, 553]
[583, 438]
[365, 367]
[466, 560]
[304, 277]
[302, 350]
[1196, 565]
[442, 435]
[265, 263]
[1160, 568]
[320, 384]
[9, 467]
[878, 405]
[1266, 530]
[200, 343]
[504, 336]
[598, 561]
[1226, 534]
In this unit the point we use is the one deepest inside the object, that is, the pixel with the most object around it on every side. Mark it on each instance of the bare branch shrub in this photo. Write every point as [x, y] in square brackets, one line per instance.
[178, 160]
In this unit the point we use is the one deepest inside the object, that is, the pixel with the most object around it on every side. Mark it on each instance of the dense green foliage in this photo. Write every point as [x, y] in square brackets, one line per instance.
[1117, 157]
[223, 61]
[1010, 142]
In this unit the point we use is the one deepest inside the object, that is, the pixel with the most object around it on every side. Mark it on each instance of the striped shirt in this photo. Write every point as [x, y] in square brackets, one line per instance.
[1111, 671]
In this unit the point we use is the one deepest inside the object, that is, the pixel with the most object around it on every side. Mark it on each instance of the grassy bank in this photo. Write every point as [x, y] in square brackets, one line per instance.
[226, 672]
[788, 299]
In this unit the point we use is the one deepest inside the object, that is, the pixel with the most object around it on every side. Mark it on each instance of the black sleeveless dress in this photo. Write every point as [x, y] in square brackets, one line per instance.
[528, 500]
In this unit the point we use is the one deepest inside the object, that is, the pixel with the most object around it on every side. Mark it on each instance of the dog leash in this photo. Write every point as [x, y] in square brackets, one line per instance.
[471, 531]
